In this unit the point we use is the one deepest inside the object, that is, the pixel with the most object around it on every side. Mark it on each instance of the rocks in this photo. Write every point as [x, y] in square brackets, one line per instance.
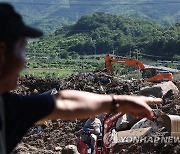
[177, 107]
[165, 89]
[61, 133]
[151, 91]
[58, 149]
[167, 107]
[101, 83]
[97, 82]
[58, 134]
[168, 86]
[70, 149]
[144, 123]
[125, 122]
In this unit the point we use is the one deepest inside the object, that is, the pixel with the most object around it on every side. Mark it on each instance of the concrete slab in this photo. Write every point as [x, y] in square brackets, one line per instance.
[125, 137]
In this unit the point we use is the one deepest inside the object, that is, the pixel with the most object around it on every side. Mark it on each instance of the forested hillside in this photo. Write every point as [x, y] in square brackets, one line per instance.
[104, 33]
[52, 14]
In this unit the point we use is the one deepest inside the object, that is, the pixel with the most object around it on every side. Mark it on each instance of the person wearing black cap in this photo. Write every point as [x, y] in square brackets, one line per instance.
[18, 113]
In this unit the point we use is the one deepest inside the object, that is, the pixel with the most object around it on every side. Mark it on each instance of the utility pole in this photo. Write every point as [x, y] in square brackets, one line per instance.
[77, 16]
[113, 52]
[94, 44]
[95, 48]
[130, 53]
[137, 54]
[117, 51]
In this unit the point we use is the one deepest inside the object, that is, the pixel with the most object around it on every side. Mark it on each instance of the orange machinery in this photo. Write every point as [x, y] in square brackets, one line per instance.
[152, 74]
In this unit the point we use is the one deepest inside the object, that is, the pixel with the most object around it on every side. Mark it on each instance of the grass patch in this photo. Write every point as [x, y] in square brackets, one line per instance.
[47, 73]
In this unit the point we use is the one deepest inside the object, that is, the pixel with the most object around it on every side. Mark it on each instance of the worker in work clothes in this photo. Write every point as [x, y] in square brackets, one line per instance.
[18, 113]
[93, 126]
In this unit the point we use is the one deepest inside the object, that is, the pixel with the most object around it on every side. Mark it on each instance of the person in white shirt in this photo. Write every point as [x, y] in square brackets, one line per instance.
[93, 125]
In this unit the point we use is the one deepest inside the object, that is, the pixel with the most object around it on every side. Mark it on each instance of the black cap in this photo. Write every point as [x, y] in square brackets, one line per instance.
[11, 24]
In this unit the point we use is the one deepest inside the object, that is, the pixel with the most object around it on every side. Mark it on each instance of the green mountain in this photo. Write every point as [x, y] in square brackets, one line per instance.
[101, 33]
[52, 14]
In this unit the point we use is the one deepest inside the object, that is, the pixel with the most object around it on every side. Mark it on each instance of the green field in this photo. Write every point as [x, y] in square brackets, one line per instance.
[47, 73]
[61, 68]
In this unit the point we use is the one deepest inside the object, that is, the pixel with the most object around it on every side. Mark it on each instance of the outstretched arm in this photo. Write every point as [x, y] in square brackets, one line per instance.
[72, 104]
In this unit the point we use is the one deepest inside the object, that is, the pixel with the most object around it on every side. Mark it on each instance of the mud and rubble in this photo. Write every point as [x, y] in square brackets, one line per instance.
[60, 133]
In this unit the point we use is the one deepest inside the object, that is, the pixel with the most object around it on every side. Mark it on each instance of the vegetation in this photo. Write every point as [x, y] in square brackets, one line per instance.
[102, 33]
[144, 29]
[81, 63]
[52, 14]
[47, 73]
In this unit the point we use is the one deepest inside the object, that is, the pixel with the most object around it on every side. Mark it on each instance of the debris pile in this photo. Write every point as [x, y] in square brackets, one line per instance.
[60, 133]
[102, 83]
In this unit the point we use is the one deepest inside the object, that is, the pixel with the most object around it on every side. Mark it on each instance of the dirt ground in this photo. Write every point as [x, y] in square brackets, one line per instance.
[61, 133]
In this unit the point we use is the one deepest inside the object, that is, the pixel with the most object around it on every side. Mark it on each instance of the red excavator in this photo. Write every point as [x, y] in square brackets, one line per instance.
[104, 143]
[152, 74]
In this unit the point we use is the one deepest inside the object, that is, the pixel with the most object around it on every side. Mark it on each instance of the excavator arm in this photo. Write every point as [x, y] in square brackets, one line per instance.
[129, 62]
